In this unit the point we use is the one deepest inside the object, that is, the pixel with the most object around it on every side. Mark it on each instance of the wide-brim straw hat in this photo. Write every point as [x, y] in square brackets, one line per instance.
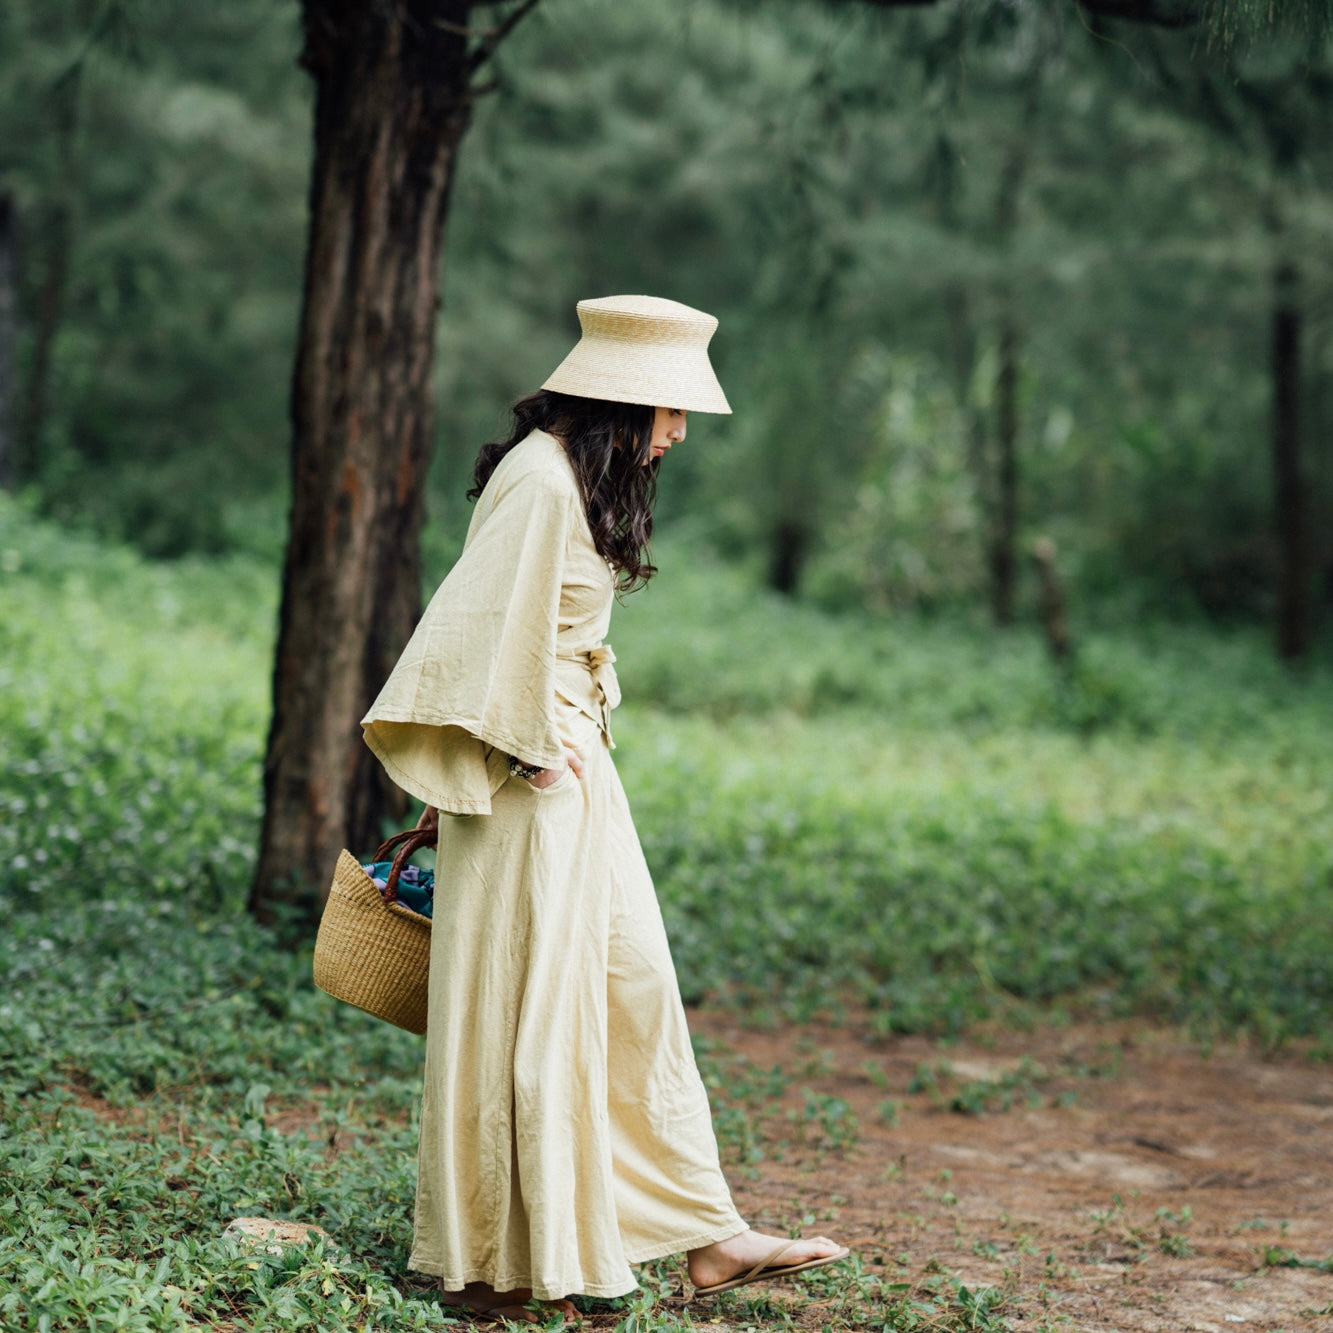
[642, 349]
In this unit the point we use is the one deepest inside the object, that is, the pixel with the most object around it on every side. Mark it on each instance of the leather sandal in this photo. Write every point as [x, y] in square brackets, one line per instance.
[771, 1268]
[497, 1313]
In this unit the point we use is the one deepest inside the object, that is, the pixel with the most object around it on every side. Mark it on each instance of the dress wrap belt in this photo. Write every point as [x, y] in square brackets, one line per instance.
[588, 680]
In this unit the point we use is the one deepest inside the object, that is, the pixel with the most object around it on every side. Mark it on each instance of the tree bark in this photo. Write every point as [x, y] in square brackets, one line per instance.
[1294, 610]
[56, 228]
[790, 545]
[1002, 555]
[49, 314]
[8, 337]
[1004, 528]
[1054, 617]
[392, 104]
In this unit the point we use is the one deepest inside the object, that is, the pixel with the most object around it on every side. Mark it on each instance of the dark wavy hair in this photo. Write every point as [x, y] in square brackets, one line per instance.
[609, 445]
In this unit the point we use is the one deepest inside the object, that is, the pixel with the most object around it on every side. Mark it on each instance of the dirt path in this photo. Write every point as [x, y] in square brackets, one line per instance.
[1132, 1183]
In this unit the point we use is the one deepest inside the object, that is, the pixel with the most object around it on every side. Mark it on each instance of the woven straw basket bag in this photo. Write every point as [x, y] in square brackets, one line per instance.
[371, 951]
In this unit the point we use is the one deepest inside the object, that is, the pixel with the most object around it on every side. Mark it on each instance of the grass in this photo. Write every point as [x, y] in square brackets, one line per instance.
[912, 819]
[943, 879]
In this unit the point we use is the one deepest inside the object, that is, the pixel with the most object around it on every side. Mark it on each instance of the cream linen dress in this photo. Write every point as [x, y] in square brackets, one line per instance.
[565, 1132]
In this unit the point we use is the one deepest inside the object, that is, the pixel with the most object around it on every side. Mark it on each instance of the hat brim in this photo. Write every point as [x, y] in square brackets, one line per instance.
[656, 376]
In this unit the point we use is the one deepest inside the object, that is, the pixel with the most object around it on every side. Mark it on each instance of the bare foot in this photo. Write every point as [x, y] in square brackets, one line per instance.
[726, 1259]
[508, 1306]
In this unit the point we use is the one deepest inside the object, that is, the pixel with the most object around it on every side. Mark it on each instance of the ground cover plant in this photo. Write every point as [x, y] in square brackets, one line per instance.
[917, 826]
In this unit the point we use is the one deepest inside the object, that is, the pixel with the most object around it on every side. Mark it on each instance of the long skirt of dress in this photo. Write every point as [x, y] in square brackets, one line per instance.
[565, 1132]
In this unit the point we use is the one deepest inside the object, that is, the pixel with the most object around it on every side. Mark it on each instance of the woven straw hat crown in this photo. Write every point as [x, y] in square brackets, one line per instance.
[642, 349]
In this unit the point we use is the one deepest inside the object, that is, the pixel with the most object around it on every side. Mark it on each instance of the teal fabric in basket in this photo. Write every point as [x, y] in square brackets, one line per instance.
[416, 887]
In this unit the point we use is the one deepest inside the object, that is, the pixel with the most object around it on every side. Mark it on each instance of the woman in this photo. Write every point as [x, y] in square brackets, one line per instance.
[565, 1132]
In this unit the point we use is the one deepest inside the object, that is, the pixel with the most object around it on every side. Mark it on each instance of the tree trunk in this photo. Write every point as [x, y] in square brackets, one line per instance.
[790, 542]
[1294, 611]
[1004, 526]
[8, 336]
[1054, 617]
[1002, 555]
[48, 315]
[392, 104]
[56, 229]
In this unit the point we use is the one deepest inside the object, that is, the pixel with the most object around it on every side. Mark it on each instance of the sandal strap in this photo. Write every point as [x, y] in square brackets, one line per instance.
[771, 1261]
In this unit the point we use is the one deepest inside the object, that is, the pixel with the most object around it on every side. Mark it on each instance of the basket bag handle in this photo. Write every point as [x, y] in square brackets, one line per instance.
[408, 842]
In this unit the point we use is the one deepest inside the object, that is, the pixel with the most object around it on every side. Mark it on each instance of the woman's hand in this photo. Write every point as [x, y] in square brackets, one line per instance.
[550, 775]
[430, 818]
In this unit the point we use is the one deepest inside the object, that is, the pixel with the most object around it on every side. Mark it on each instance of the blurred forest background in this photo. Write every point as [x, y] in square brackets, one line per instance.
[985, 684]
[985, 272]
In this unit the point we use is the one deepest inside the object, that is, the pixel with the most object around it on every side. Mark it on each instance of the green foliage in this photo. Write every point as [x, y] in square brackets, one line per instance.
[132, 700]
[933, 821]
[1278, 1256]
[157, 155]
[1238, 21]
[938, 900]
[891, 814]
[1010, 1088]
[750, 652]
[825, 177]
[116, 1230]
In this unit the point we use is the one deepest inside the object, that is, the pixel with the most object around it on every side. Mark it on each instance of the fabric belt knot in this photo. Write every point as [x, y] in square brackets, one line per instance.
[599, 662]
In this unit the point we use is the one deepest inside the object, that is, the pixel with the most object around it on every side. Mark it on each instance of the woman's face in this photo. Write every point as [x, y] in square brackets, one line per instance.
[668, 429]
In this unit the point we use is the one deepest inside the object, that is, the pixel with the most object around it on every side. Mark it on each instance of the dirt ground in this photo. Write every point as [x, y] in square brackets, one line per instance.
[1134, 1182]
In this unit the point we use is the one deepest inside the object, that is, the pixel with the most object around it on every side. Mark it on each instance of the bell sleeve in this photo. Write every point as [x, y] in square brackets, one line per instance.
[476, 682]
